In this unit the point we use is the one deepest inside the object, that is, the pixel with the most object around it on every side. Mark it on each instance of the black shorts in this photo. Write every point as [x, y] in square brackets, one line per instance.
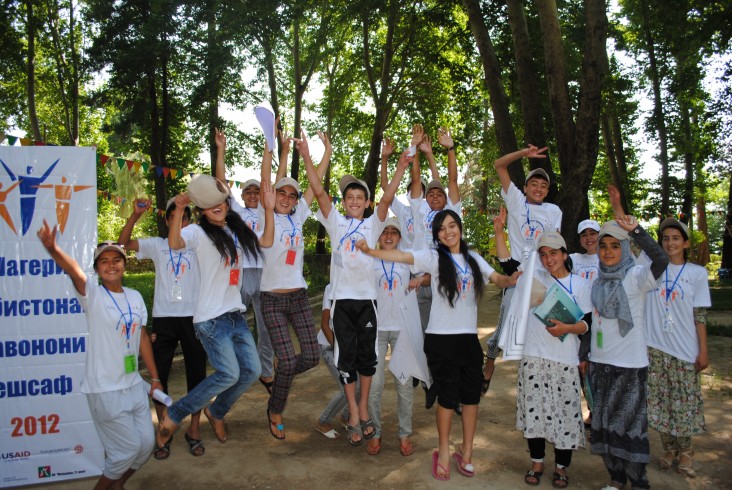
[455, 362]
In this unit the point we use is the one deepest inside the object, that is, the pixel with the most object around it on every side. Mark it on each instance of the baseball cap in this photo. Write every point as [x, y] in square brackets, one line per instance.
[421, 181]
[109, 245]
[588, 223]
[613, 229]
[435, 184]
[392, 221]
[538, 173]
[249, 183]
[553, 240]
[674, 223]
[284, 181]
[347, 180]
[207, 191]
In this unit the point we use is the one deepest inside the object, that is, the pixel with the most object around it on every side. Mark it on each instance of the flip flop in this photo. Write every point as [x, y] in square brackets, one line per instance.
[368, 424]
[406, 449]
[436, 465]
[195, 446]
[280, 427]
[162, 452]
[211, 420]
[465, 469]
[352, 431]
[373, 450]
[267, 385]
[330, 434]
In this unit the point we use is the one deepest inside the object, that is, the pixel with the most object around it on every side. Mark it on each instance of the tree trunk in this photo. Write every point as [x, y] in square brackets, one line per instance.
[529, 92]
[31, 71]
[505, 135]
[611, 159]
[658, 117]
[213, 73]
[622, 166]
[75, 77]
[155, 139]
[687, 145]
[727, 236]
[702, 248]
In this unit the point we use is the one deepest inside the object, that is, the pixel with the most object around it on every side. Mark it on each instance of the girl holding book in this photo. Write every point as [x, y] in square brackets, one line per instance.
[548, 404]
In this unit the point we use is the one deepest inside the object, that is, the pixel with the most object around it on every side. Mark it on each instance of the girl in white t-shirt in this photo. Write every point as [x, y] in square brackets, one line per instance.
[677, 349]
[451, 343]
[618, 358]
[116, 317]
[548, 404]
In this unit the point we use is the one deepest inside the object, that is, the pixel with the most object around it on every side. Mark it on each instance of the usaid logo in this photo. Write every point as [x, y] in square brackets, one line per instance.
[16, 455]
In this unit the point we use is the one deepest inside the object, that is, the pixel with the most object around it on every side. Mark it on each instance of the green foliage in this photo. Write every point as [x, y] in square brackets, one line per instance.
[144, 282]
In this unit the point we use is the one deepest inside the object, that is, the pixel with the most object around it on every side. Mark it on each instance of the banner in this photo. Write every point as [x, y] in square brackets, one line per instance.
[46, 431]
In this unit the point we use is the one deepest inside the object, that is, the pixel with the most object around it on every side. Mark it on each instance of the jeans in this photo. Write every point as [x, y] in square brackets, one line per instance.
[251, 278]
[405, 392]
[338, 402]
[232, 353]
[492, 342]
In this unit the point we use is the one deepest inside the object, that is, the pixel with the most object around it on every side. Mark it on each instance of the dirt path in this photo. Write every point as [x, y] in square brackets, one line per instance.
[253, 459]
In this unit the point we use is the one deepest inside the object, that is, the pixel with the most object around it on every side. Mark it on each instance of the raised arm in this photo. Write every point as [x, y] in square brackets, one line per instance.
[69, 265]
[390, 255]
[267, 193]
[220, 139]
[382, 210]
[502, 163]
[316, 185]
[322, 166]
[138, 208]
[425, 146]
[659, 259]
[445, 140]
[387, 150]
[175, 240]
[615, 203]
[499, 222]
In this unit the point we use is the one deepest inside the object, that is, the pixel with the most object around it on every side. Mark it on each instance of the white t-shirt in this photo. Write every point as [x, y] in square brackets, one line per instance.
[404, 214]
[528, 222]
[351, 272]
[284, 259]
[687, 289]
[176, 276]
[255, 222]
[423, 217]
[539, 342]
[586, 266]
[463, 317]
[217, 296]
[629, 351]
[108, 316]
[392, 281]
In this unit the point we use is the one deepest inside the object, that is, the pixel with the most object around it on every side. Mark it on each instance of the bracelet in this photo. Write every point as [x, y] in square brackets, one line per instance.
[451, 148]
[587, 327]
[155, 379]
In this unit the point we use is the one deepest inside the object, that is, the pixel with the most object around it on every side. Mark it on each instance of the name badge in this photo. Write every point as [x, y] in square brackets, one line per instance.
[234, 275]
[338, 259]
[176, 293]
[599, 339]
[290, 259]
[130, 363]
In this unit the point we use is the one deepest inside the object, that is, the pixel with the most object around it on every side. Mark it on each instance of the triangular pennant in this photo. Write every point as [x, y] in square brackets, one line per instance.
[159, 171]
[137, 166]
[173, 173]
[39, 143]
[145, 166]
[25, 142]
[129, 164]
[104, 159]
[121, 163]
[12, 140]
[166, 171]
[99, 193]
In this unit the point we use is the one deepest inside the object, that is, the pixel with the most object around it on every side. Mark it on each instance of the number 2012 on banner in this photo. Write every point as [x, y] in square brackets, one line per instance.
[31, 426]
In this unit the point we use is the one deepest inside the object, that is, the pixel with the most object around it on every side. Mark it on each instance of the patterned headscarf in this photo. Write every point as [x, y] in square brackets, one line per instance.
[608, 293]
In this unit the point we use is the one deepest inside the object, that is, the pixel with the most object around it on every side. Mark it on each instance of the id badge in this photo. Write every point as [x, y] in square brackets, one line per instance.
[338, 259]
[130, 363]
[234, 275]
[176, 293]
[668, 324]
[599, 339]
[290, 258]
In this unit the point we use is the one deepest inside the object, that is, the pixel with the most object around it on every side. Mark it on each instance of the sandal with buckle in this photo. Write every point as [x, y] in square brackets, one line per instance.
[686, 463]
[354, 431]
[667, 460]
[162, 452]
[195, 446]
[368, 424]
[559, 480]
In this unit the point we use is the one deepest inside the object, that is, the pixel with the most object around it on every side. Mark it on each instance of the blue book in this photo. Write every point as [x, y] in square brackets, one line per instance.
[557, 305]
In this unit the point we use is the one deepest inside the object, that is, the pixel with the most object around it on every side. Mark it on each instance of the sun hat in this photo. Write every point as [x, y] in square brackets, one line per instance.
[206, 191]
[347, 180]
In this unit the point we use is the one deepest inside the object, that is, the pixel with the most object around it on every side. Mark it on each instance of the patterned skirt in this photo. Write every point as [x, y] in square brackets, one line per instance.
[548, 402]
[675, 404]
[619, 415]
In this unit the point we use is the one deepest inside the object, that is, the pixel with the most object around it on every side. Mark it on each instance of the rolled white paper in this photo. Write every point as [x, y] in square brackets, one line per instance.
[159, 395]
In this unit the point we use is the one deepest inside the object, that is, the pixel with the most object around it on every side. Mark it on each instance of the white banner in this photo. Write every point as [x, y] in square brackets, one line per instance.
[46, 432]
[513, 331]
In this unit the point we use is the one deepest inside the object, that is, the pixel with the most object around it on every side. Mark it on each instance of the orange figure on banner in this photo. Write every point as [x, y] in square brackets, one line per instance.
[4, 210]
[63, 199]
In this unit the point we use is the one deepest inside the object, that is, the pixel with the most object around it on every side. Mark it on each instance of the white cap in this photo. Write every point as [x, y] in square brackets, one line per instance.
[613, 229]
[104, 246]
[346, 180]
[392, 221]
[284, 181]
[674, 223]
[249, 183]
[206, 191]
[588, 223]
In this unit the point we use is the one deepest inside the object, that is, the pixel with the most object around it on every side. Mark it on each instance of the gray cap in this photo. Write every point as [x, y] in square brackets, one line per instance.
[540, 173]
[613, 229]
[249, 183]
[674, 223]
[435, 184]
[392, 221]
[206, 191]
[346, 180]
[284, 181]
[553, 240]
[104, 246]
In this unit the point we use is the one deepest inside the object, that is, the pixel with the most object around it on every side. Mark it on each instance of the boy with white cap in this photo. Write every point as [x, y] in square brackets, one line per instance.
[353, 283]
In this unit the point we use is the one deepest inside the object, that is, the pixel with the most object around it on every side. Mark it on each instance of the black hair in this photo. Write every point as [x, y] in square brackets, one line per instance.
[223, 241]
[568, 264]
[171, 208]
[356, 185]
[447, 275]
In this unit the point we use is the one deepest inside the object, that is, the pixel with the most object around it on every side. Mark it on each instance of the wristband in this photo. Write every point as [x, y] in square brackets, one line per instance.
[451, 148]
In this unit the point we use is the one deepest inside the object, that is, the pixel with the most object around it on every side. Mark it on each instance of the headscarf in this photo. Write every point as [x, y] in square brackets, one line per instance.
[608, 293]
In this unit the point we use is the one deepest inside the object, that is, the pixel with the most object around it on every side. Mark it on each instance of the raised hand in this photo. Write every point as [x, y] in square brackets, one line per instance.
[444, 137]
[387, 147]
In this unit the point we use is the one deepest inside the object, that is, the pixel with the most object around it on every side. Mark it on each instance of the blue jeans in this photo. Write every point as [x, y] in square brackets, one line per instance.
[233, 354]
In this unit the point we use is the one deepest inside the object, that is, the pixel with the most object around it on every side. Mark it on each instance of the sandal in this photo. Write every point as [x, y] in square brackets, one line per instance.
[163, 452]
[374, 446]
[406, 449]
[267, 385]
[368, 424]
[354, 431]
[686, 463]
[465, 469]
[195, 446]
[219, 433]
[533, 478]
[273, 425]
[437, 466]
[667, 460]
[559, 480]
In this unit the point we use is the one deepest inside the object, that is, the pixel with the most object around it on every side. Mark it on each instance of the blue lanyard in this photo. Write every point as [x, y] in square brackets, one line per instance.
[565, 287]
[176, 267]
[389, 277]
[671, 289]
[464, 272]
[528, 220]
[128, 324]
[294, 230]
[429, 219]
[349, 232]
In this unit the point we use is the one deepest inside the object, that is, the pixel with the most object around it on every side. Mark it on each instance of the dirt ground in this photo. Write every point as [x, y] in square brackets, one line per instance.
[252, 458]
